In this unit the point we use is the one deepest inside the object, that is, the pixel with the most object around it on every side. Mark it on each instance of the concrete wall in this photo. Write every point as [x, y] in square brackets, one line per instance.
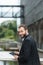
[33, 10]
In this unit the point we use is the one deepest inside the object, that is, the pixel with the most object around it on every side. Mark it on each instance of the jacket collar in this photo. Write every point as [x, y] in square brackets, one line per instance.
[25, 37]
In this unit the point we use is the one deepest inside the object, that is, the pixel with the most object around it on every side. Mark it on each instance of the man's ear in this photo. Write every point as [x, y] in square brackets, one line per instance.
[26, 30]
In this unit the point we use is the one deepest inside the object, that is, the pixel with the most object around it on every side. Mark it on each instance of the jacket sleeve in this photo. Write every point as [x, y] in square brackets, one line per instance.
[25, 51]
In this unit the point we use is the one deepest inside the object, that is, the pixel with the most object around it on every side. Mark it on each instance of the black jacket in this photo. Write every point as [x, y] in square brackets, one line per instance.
[28, 53]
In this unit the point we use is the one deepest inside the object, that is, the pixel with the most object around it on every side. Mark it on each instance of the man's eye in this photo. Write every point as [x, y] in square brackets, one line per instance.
[21, 31]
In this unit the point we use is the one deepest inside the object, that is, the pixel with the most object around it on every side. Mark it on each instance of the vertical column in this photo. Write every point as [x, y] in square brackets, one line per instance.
[39, 30]
[22, 14]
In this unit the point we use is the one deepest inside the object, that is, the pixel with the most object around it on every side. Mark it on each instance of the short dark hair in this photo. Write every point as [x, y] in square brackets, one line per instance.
[24, 26]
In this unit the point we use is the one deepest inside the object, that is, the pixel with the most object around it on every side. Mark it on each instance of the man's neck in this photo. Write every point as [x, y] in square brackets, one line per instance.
[27, 34]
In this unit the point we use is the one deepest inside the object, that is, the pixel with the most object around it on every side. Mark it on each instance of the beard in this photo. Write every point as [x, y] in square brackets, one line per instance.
[23, 36]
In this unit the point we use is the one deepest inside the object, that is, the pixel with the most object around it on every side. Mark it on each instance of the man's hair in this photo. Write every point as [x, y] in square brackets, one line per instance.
[24, 26]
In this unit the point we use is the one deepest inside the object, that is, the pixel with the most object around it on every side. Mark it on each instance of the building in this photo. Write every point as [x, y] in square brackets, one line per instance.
[33, 18]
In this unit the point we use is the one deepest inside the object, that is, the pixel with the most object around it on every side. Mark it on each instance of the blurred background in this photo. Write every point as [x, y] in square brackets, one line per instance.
[12, 14]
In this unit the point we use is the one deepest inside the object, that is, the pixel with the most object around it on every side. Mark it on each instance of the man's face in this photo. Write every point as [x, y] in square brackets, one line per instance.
[21, 32]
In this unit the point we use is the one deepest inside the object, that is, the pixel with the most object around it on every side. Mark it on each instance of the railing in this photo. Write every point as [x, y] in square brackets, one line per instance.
[6, 57]
[41, 61]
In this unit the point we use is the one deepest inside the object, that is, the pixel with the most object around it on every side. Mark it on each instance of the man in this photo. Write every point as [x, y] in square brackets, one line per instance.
[28, 54]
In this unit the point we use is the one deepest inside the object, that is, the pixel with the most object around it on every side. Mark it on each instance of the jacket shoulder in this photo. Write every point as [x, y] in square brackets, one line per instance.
[30, 39]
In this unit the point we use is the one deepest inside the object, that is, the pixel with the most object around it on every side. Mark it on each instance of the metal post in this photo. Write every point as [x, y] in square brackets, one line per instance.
[4, 62]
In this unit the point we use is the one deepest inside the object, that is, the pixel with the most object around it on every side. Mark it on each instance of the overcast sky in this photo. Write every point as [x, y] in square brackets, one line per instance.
[8, 2]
